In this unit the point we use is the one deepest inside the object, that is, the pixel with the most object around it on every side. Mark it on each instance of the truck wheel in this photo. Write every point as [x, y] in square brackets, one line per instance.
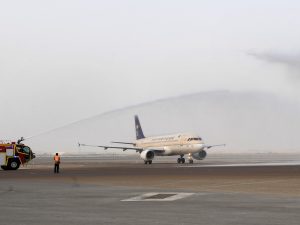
[13, 164]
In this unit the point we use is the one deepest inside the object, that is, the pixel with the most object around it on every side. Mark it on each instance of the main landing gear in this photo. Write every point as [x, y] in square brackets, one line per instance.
[148, 161]
[181, 159]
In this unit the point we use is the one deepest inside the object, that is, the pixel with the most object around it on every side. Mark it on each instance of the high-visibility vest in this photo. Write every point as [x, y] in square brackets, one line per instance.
[56, 158]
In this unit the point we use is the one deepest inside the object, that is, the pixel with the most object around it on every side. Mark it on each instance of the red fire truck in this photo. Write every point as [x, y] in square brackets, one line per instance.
[13, 154]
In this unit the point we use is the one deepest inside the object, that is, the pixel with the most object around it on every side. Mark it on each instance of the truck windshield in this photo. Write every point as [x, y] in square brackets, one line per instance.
[26, 150]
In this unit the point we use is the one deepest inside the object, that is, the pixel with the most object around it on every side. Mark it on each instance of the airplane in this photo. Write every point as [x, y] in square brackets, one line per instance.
[175, 144]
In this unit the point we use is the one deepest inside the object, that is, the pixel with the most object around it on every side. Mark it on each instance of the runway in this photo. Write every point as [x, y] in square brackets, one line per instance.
[125, 191]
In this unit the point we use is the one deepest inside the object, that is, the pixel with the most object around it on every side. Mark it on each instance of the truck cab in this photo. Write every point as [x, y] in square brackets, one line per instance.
[12, 155]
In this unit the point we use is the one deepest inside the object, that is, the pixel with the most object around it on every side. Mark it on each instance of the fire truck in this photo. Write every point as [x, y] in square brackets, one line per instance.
[13, 154]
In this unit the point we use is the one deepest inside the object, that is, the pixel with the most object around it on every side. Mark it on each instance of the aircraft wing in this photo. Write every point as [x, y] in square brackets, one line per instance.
[105, 147]
[210, 146]
[125, 143]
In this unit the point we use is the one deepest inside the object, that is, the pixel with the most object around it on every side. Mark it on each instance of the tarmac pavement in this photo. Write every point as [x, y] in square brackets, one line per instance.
[90, 194]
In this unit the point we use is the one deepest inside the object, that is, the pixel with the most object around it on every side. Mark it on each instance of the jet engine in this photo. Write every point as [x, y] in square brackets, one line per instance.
[147, 155]
[199, 155]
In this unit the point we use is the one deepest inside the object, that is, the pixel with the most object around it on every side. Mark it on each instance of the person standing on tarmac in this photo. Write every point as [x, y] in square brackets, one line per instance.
[56, 163]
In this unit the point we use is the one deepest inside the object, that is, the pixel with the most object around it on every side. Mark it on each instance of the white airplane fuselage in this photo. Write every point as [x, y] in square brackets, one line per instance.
[176, 144]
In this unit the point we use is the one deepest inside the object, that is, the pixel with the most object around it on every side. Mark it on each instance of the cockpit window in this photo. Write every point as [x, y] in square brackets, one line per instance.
[195, 139]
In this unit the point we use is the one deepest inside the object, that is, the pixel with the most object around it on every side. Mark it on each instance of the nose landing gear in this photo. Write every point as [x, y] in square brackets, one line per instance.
[191, 161]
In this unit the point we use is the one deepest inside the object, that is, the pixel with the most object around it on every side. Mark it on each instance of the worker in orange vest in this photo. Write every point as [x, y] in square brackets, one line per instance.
[56, 163]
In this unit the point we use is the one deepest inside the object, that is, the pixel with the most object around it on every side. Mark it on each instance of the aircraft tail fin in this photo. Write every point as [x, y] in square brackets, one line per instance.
[138, 128]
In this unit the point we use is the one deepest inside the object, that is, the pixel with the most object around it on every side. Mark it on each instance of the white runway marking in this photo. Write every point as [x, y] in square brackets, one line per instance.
[296, 163]
[158, 197]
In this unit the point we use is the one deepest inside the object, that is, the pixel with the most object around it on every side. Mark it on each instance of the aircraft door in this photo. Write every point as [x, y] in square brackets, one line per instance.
[182, 140]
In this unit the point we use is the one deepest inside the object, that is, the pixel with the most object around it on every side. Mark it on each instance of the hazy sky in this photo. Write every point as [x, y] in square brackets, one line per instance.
[64, 60]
